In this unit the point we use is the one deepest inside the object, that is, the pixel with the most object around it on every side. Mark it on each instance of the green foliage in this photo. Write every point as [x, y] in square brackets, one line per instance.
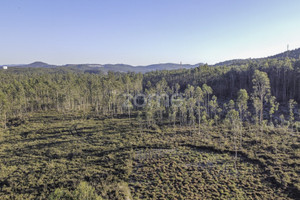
[242, 103]
[60, 194]
[261, 92]
[292, 104]
[233, 116]
[112, 158]
[67, 127]
[83, 192]
[3, 108]
[274, 105]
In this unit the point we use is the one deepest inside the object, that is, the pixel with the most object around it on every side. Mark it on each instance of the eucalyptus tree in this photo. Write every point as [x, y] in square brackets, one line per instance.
[3, 108]
[150, 111]
[287, 66]
[161, 97]
[292, 104]
[199, 100]
[296, 82]
[274, 105]
[235, 123]
[204, 117]
[177, 88]
[127, 82]
[183, 112]
[207, 90]
[261, 93]
[173, 114]
[230, 105]
[189, 91]
[137, 83]
[242, 103]
[191, 102]
[213, 105]
[129, 107]
[161, 86]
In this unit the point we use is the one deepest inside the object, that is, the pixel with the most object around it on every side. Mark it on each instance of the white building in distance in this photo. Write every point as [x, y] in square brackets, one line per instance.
[4, 67]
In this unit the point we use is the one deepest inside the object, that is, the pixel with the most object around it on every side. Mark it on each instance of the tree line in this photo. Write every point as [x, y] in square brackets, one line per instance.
[226, 81]
[201, 106]
[250, 92]
[21, 94]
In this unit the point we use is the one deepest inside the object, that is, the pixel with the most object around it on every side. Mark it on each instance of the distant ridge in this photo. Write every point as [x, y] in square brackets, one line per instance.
[96, 68]
[38, 64]
[291, 54]
[113, 67]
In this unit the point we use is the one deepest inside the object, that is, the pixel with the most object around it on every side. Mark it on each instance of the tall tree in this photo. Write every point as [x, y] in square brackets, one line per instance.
[191, 113]
[3, 109]
[287, 66]
[199, 100]
[292, 104]
[273, 107]
[207, 90]
[242, 103]
[213, 105]
[183, 113]
[261, 92]
[233, 118]
[174, 110]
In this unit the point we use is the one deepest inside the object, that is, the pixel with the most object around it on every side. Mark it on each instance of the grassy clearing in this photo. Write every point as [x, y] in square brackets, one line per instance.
[51, 151]
[186, 173]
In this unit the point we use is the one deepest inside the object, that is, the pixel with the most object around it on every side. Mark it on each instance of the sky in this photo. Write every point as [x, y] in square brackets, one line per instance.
[143, 32]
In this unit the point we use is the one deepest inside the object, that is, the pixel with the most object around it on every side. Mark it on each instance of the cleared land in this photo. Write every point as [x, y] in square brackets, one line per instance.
[122, 161]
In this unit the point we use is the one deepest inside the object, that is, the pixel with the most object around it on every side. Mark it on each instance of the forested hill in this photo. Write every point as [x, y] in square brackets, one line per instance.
[98, 68]
[25, 90]
[68, 126]
[284, 75]
[292, 54]
[40, 88]
[104, 68]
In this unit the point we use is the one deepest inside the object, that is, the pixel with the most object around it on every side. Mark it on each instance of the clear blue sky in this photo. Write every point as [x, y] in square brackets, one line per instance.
[141, 32]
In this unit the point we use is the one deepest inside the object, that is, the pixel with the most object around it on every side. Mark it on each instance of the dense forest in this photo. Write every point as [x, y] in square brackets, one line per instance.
[210, 89]
[73, 134]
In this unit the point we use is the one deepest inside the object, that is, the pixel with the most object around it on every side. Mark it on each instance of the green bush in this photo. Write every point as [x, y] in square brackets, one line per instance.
[83, 192]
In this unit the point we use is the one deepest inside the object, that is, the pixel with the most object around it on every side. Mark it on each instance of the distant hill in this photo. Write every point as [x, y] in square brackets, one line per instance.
[38, 64]
[233, 62]
[130, 68]
[96, 68]
[112, 67]
[291, 54]
[168, 66]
